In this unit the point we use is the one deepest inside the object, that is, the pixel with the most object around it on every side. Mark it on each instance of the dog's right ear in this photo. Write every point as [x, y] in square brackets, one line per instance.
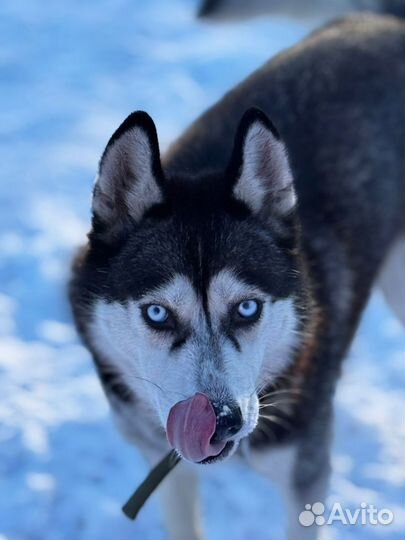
[130, 178]
[259, 167]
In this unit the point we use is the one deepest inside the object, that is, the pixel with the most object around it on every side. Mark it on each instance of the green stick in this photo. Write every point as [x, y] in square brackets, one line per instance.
[151, 482]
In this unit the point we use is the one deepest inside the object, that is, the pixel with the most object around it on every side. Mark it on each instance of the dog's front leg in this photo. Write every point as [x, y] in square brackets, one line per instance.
[307, 492]
[302, 480]
[180, 500]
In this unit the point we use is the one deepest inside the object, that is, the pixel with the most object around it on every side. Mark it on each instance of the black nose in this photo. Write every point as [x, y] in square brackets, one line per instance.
[229, 422]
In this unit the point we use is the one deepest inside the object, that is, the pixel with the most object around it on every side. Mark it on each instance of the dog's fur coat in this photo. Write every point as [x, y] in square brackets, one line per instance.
[225, 219]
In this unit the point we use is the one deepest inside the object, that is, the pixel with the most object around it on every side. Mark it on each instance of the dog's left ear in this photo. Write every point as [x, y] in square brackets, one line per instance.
[259, 168]
[130, 179]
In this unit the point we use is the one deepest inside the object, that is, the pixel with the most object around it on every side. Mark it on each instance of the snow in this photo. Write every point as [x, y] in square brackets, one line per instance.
[70, 72]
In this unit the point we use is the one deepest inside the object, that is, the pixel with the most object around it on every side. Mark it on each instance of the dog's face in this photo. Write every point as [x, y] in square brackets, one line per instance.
[194, 295]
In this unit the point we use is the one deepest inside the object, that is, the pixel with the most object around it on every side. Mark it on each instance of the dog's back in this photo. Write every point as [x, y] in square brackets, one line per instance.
[337, 100]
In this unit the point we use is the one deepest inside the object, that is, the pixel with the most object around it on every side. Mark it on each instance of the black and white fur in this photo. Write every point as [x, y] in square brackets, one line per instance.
[305, 220]
[223, 10]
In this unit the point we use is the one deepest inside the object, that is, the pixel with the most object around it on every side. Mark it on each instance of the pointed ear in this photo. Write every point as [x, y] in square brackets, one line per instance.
[259, 167]
[130, 177]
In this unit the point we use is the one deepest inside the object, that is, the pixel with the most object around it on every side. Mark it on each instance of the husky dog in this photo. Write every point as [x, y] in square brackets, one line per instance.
[221, 286]
[240, 9]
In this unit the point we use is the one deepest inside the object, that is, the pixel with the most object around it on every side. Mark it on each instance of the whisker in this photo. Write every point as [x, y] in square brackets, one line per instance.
[164, 391]
[283, 391]
[277, 420]
[276, 403]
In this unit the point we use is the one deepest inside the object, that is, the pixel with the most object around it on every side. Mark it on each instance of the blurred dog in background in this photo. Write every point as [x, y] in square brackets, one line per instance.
[239, 9]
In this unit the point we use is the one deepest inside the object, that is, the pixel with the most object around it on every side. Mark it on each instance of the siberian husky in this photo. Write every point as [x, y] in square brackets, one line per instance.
[221, 286]
[241, 9]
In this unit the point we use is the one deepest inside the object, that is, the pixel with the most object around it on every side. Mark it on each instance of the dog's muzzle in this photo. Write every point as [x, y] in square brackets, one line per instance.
[198, 430]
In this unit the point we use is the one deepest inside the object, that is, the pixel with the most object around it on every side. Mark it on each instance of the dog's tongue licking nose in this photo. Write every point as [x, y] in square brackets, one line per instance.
[190, 427]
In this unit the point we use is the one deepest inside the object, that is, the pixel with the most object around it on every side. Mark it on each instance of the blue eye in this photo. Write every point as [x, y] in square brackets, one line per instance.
[249, 309]
[157, 314]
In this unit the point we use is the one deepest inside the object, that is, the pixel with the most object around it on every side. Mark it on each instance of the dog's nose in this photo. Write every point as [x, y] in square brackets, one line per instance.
[229, 422]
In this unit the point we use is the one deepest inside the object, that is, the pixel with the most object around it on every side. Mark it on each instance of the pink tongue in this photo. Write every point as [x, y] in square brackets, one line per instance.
[190, 427]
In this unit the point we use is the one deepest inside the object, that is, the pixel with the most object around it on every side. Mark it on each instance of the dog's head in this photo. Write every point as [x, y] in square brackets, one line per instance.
[192, 286]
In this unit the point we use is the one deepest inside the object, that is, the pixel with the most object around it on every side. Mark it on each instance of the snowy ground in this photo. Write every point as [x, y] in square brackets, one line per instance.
[69, 73]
